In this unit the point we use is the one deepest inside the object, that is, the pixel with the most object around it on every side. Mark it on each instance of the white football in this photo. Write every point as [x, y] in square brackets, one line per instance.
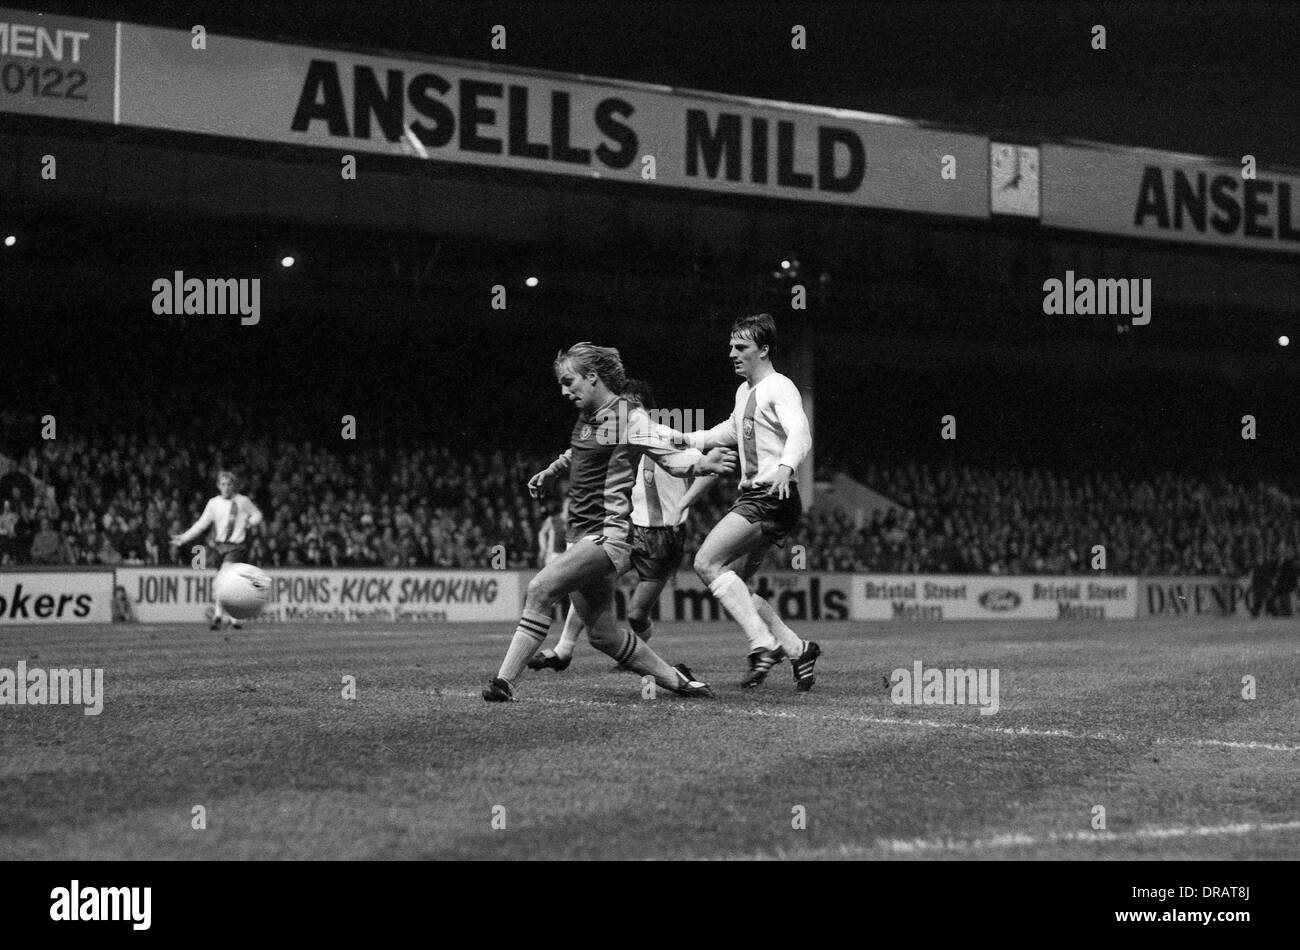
[242, 590]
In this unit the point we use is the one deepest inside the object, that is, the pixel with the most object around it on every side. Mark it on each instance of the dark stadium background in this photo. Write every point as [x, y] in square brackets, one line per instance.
[1072, 432]
[911, 318]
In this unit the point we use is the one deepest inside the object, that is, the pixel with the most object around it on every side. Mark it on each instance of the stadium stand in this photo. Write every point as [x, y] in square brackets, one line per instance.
[116, 500]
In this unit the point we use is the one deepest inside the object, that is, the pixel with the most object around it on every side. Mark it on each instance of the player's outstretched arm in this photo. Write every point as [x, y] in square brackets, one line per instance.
[723, 434]
[654, 440]
[718, 461]
[196, 529]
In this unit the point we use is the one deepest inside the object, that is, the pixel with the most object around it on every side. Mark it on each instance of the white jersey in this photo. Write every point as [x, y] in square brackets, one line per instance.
[657, 496]
[768, 428]
[229, 518]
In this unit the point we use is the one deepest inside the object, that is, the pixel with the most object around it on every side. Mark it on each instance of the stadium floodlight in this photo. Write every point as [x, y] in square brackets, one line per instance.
[11, 240]
[1284, 340]
[287, 261]
[531, 281]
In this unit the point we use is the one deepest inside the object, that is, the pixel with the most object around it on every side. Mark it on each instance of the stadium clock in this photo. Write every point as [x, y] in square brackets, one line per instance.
[1013, 179]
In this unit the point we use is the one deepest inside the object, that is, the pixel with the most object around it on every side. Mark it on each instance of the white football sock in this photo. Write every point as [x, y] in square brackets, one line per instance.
[529, 636]
[789, 641]
[734, 595]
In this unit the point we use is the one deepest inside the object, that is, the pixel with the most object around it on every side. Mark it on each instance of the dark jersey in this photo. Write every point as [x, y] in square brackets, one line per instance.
[602, 461]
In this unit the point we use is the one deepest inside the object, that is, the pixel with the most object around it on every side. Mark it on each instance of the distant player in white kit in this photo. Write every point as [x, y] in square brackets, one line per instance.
[769, 425]
[229, 515]
[551, 545]
[551, 542]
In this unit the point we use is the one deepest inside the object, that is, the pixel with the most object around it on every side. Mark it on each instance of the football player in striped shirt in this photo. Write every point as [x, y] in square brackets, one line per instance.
[551, 544]
[609, 440]
[229, 515]
[770, 428]
[660, 507]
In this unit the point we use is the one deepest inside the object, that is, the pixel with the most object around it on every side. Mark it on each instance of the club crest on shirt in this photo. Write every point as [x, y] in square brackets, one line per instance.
[748, 428]
[585, 434]
[650, 476]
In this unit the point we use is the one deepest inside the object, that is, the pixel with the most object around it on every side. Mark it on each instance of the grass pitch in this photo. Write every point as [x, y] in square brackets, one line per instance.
[1144, 718]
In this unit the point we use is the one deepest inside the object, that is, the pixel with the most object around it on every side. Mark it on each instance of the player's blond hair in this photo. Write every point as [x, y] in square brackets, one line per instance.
[586, 358]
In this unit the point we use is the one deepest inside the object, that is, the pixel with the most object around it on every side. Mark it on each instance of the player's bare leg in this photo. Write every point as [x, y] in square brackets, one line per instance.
[579, 565]
[595, 603]
[639, 608]
[641, 604]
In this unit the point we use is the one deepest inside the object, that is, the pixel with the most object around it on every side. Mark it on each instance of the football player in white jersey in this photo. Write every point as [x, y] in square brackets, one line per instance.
[229, 515]
[771, 431]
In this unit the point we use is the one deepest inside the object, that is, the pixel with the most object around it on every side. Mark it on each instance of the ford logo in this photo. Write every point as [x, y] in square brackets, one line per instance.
[999, 599]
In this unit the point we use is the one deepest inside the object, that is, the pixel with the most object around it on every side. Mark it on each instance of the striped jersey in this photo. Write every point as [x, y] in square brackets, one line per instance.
[768, 428]
[605, 452]
[657, 497]
[229, 518]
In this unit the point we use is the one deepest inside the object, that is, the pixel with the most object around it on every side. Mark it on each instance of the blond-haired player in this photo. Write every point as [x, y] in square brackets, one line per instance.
[609, 439]
[661, 504]
[229, 515]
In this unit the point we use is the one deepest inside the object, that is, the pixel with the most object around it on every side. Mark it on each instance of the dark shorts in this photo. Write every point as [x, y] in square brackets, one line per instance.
[777, 516]
[229, 553]
[618, 551]
[656, 552]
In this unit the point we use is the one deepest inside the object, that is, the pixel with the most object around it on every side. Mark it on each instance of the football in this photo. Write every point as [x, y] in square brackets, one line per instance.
[242, 590]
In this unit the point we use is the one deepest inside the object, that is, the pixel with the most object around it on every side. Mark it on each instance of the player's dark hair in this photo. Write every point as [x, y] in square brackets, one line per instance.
[586, 358]
[760, 328]
[640, 392]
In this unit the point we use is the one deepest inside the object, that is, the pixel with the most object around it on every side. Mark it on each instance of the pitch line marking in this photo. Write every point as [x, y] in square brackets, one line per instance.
[1020, 840]
[923, 724]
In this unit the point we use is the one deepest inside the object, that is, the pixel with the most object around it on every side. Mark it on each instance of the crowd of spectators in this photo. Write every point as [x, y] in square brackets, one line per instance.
[1032, 521]
[77, 502]
[118, 499]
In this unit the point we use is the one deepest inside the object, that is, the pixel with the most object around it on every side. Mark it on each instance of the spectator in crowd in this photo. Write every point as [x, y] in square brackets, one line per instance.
[106, 553]
[1284, 581]
[47, 544]
[123, 609]
[8, 531]
[1262, 584]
